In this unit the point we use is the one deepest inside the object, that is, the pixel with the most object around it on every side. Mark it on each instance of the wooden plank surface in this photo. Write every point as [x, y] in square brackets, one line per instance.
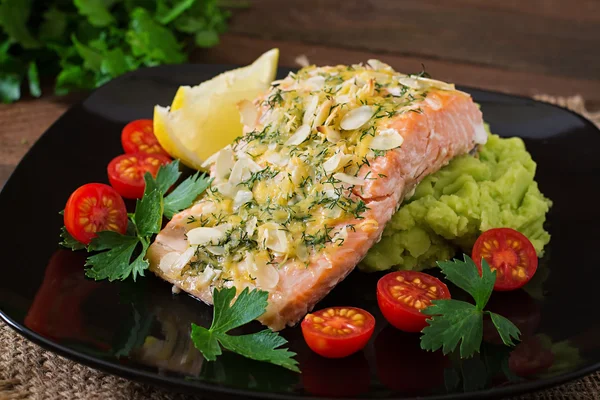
[560, 37]
[240, 49]
[524, 47]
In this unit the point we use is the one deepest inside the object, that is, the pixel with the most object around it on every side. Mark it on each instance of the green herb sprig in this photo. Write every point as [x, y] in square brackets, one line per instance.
[120, 256]
[262, 346]
[455, 322]
[85, 43]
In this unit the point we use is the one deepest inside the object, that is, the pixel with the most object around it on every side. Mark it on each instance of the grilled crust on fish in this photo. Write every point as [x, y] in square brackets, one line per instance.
[439, 126]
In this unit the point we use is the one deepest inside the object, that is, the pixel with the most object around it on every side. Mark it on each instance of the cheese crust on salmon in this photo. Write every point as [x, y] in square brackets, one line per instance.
[295, 203]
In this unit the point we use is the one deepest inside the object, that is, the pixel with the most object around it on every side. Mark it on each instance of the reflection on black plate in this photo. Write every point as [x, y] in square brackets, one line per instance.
[140, 330]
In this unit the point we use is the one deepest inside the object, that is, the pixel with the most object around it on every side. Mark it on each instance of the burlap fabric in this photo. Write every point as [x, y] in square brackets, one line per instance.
[29, 372]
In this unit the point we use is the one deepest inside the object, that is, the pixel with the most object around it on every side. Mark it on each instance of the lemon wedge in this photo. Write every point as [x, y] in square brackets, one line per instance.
[203, 119]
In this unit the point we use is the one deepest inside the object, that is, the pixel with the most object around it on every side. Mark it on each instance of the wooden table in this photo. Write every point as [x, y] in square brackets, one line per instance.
[524, 47]
[514, 46]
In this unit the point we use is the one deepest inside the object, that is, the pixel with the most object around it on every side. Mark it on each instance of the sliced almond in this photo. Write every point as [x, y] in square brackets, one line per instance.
[379, 66]
[302, 252]
[242, 197]
[216, 250]
[224, 163]
[266, 275]
[332, 135]
[394, 91]
[433, 101]
[205, 235]
[354, 119]
[242, 170]
[277, 159]
[299, 136]
[336, 162]
[322, 113]
[367, 90]
[315, 83]
[331, 116]
[410, 82]
[226, 189]
[209, 275]
[349, 179]
[211, 160]
[271, 236]
[437, 84]
[248, 113]
[168, 260]
[290, 123]
[251, 226]
[309, 111]
[387, 139]
[174, 262]
[342, 99]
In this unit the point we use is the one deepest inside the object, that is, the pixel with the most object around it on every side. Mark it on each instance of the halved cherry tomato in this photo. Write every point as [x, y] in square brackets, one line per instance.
[402, 295]
[530, 358]
[510, 254]
[92, 208]
[337, 332]
[138, 136]
[126, 172]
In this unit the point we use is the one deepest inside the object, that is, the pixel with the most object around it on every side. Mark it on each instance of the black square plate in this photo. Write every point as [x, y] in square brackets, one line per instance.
[141, 331]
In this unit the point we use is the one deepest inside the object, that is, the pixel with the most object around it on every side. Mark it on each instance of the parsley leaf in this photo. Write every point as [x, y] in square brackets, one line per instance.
[14, 16]
[167, 175]
[34, 80]
[54, 24]
[122, 256]
[113, 37]
[249, 306]
[185, 194]
[92, 58]
[164, 14]
[152, 41]
[507, 330]
[115, 263]
[96, 11]
[262, 346]
[148, 210]
[206, 341]
[455, 321]
[466, 276]
[69, 241]
[10, 73]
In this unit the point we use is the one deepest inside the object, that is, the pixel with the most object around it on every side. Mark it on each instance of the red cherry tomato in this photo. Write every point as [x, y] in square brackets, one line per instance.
[138, 137]
[510, 254]
[93, 208]
[403, 294]
[530, 358]
[337, 332]
[126, 172]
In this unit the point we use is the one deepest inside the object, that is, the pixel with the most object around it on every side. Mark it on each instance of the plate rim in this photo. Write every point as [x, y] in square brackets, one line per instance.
[181, 385]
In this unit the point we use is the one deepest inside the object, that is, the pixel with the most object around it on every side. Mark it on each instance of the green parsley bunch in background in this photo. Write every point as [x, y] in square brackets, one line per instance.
[86, 43]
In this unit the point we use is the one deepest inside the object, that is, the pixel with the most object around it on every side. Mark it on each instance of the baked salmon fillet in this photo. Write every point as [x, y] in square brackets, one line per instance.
[327, 157]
